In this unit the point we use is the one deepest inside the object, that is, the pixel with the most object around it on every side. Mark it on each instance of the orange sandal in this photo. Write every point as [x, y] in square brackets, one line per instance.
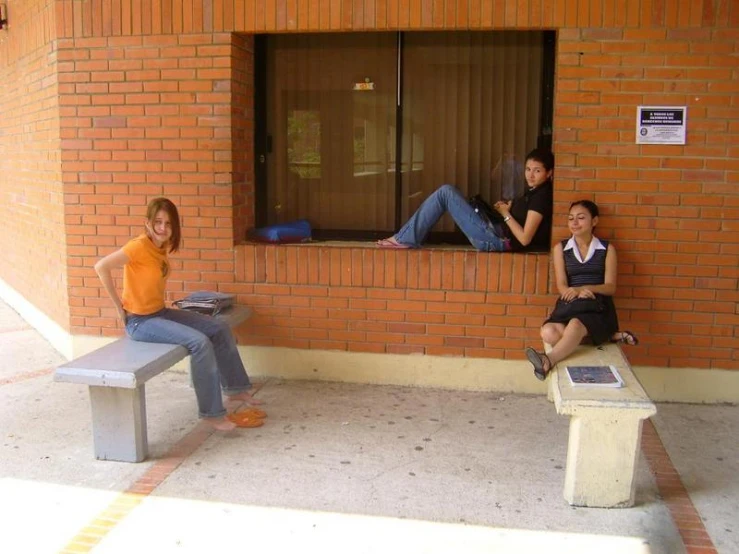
[253, 412]
[248, 418]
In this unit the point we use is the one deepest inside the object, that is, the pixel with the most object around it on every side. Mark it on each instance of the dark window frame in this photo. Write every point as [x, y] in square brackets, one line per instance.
[263, 142]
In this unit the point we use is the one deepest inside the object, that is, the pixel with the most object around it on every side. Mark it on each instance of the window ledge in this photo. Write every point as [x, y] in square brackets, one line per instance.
[362, 265]
[373, 246]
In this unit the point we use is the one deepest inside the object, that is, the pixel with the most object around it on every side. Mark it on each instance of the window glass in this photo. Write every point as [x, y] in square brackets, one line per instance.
[472, 105]
[304, 143]
[329, 101]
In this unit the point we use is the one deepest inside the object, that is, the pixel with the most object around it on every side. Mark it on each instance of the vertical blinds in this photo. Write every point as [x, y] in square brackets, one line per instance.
[469, 109]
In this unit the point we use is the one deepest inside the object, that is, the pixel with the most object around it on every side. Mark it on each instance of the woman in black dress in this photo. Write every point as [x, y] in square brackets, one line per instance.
[584, 267]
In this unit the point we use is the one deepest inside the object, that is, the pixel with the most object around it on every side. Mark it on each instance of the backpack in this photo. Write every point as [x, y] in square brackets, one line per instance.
[206, 302]
[280, 233]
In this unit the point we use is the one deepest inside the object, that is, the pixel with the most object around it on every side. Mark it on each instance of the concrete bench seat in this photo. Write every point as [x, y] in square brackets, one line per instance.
[116, 375]
[605, 429]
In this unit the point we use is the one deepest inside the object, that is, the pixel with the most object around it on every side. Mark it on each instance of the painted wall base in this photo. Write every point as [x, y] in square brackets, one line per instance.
[709, 386]
[701, 386]
[59, 338]
[697, 386]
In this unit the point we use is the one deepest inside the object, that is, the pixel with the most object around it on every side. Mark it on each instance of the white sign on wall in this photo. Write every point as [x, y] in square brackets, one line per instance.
[661, 124]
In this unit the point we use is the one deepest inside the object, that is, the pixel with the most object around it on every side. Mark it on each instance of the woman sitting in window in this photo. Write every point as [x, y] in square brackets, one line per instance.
[584, 268]
[526, 220]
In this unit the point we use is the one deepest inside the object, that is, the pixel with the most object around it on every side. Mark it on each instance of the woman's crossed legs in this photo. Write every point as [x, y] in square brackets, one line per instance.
[564, 339]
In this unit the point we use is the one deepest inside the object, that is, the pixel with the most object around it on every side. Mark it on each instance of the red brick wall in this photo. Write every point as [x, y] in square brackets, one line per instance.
[151, 17]
[672, 211]
[242, 129]
[32, 240]
[150, 119]
[438, 302]
[145, 117]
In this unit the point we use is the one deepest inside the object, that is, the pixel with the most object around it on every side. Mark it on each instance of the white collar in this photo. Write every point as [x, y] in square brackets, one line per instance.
[595, 244]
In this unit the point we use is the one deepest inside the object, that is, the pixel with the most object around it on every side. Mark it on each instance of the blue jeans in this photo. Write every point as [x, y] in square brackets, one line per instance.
[448, 199]
[215, 360]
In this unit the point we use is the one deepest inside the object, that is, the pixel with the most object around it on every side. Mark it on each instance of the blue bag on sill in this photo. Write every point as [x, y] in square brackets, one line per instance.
[291, 231]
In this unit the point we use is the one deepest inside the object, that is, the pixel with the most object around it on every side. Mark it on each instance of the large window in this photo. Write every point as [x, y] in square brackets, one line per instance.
[355, 130]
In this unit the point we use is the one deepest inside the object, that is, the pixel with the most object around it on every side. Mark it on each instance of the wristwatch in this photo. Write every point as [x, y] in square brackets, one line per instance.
[506, 218]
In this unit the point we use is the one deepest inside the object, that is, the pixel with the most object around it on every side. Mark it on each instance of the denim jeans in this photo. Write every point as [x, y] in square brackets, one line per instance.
[215, 361]
[448, 199]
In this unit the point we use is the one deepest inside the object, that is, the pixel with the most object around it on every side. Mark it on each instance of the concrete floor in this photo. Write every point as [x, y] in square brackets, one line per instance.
[339, 468]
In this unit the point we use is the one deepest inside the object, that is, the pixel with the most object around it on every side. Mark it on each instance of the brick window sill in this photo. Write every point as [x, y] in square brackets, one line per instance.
[362, 264]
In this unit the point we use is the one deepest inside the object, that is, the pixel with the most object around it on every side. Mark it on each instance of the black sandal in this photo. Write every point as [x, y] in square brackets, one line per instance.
[537, 360]
[627, 337]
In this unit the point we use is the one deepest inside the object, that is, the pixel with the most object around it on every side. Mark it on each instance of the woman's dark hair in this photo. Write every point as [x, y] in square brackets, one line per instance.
[544, 157]
[588, 205]
[159, 204]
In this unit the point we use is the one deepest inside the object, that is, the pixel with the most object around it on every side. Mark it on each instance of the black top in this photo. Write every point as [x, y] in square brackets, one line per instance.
[592, 272]
[539, 199]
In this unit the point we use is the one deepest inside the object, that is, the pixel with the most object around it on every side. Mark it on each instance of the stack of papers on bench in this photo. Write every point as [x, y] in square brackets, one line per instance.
[206, 302]
[594, 376]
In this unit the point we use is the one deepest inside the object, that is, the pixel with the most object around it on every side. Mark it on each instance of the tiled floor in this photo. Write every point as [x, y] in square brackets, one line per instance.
[344, 467]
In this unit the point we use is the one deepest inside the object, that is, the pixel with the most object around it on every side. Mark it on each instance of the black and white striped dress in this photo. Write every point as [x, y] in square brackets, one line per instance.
[601, 326]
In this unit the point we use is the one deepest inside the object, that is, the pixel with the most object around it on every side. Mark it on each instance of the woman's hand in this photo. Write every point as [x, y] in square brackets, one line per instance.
[103, 268]
[503, 208]
[150, 233]
[570, 294]
[122, 315]
[153, 237]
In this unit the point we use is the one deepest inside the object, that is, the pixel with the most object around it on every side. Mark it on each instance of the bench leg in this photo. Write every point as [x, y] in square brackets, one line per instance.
[119, 423]
[602, 454]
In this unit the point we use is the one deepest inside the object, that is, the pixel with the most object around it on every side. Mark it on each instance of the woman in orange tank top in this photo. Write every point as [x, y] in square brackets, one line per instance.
[215, 360]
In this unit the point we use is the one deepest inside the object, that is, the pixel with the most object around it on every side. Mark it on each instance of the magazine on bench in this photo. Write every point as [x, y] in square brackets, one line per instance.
[594, 376]
[206, 302]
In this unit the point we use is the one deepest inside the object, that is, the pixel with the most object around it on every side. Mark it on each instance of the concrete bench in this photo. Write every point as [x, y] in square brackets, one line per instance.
[116, 375]
[605, 429]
